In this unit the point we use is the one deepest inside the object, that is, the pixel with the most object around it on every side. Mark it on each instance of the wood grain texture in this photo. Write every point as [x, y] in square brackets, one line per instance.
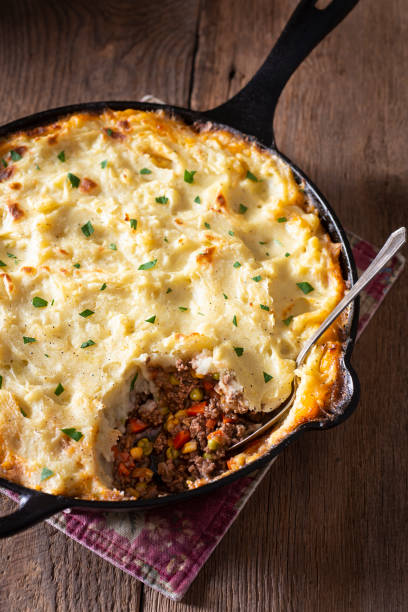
[327, 529]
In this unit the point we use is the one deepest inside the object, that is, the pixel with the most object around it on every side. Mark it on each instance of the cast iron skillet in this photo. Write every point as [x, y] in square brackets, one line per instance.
[249, 112]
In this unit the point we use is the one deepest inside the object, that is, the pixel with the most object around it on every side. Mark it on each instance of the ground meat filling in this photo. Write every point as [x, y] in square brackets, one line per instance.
[179, 436]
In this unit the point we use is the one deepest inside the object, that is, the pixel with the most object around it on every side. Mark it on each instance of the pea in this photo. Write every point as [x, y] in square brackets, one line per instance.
[207, 456]
[136, 452]
[213, 444]
[145, 445]
[196, 394]
[172, 453]
[216, 376]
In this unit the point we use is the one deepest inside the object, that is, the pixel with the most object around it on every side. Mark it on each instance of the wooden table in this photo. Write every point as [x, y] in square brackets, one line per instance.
[327, 529]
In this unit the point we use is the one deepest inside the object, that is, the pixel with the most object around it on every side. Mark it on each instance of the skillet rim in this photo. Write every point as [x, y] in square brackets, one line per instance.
[333, 227]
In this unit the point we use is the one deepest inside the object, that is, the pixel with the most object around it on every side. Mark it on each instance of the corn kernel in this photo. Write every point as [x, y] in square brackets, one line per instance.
[180, 414]
[136, 452]
[173, 380]
[171, 423]
[189, 447]
[172, 453]
[145, 445]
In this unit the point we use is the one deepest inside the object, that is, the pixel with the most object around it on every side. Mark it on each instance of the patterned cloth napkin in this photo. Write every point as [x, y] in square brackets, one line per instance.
[166, 548]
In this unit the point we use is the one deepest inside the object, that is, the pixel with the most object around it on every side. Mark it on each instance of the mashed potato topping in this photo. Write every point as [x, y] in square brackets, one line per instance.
[129, 238]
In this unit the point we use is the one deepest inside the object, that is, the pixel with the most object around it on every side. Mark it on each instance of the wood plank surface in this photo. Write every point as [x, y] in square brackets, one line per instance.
[327, 528]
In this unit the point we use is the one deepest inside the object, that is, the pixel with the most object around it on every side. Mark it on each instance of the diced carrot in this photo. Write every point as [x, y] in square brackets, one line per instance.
[210, 423]
[136, 425]
[181, 438]
[229, 464]
[208, 385]
[216, 434]
[122, 469]
[196, 409]
[228, 420]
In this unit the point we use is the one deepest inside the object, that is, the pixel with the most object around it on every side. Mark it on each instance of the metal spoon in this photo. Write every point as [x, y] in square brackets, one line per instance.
[393, 244]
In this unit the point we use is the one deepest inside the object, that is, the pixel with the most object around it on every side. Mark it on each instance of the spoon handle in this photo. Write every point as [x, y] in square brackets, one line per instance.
[393, 244]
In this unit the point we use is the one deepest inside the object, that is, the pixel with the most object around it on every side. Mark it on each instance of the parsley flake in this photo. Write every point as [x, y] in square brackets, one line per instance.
[162, 200]
[86, 313]
[88, 343]
[1, 382]
[305, 287]
[2, 264]
[145, 171]
[231, 233]
[262, 243]
[267, 377]
[27, 339]
[282, 219]
[234, 321]
[264, 307]
[239, 350]
[252, 177]
[52, 302]
[87, 229]
[23, 413]
[104, 163]
[11, 256]
[15, 156]
[37, 167]
[133, 224]
[287, 254]
[39, 302]
[207, 225]
[59, 389]
[3, 161]
[61, 156]
[197, 200]
[103, 287]
[165, 239]
[183, 308]
[189, 176]
[169, 290]
[242, 209]
[151, 319]
[77, 265]
[46, 473]
[74, 180]
[109, 131]
[288, 321]
[257, 278]
[113, 246]
[45, 355]
[225, 296]
[132, 382]
[148, 265]
[72, 433]
[236, 264]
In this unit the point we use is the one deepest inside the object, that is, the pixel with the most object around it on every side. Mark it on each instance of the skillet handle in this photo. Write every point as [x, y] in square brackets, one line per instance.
[252, 109]
[33, 508]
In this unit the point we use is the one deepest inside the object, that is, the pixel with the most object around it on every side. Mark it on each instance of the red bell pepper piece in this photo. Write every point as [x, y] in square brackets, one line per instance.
[196, 409]
[136, 425]
[181, 438]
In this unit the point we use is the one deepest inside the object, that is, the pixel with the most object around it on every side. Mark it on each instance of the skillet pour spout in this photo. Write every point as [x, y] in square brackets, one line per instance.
[250, 112]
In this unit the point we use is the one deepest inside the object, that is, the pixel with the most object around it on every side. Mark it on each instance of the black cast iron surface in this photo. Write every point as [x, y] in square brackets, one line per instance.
[249, 114]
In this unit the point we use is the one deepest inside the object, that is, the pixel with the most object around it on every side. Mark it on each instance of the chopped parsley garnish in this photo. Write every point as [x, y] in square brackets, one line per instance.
[169, 290]
[132, 382]
[45, 355]
[237, 264]
[23, 413]
[262, 243]
[225, 296]
[305, 287]
[61, 156]
[72, 433]
[109, 131]
[182, 308]
[38, 302]
[52, 302]
[3, 161]
[162, 200]
[27, 339]
[104, 163]
[234, 320]
[189, 176]
[251, 176]
[11, 255]
[257, 278]
[207, 225]
[59, 389]
[287, 254]
[15, 156]
[1, 382]
[282, 219]
[231, 233]
[264, 307]
[87, 229]
[239, 350]
[267, 254]
[151, 319]
[2, 264]
[165, 239]
[77, 265]
[103, 287]
[88, 343]
[74, 180]
[242, 209]
[267, 377]
[113, 246]
[148, 265]
[288, 321]
[37, 167]
[133, 223]
[86, 313]
[145, 171]
[197, 200]
[46, 473]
